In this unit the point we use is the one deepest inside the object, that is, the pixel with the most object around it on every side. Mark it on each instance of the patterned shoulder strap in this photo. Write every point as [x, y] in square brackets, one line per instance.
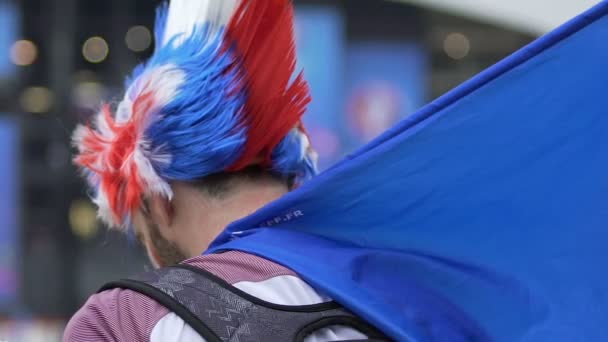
[221, 312]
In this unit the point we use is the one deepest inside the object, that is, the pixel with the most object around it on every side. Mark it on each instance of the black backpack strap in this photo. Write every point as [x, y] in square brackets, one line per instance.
[221, 312]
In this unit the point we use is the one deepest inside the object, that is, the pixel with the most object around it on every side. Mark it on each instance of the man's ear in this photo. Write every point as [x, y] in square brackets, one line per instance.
[161, 211]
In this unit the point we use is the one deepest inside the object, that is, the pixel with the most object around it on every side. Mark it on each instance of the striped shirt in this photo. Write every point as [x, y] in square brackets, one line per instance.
[125, 315]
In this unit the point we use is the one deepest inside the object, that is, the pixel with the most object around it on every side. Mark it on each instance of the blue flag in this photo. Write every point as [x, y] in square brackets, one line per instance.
[484, 216]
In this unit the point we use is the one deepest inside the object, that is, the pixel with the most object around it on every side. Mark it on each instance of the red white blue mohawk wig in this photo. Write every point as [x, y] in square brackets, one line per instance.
[219, 94]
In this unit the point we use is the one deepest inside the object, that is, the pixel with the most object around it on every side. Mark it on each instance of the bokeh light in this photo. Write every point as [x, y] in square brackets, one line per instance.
[95, 50]
[138, 38]
[88, 94]
[24, 52]
[36, 99]
[456, 45]
[83, 219]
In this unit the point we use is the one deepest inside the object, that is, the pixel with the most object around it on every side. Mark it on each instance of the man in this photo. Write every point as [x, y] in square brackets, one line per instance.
[208, 132]
[479, 218]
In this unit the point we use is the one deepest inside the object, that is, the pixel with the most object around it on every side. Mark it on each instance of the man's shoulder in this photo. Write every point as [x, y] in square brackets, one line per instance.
[234, 267]
[126, 315]
[115, 315]
[259, 277]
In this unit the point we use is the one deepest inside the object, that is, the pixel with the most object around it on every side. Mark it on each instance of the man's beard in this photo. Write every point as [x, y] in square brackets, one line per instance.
[168, 252]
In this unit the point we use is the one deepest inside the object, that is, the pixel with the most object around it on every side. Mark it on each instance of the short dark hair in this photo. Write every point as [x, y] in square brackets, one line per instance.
[220, 184]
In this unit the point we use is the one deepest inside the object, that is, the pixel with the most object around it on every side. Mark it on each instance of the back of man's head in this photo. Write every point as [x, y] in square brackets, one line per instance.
[216, 109]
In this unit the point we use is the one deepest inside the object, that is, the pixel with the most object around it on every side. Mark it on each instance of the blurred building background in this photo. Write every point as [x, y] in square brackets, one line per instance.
[370, 63]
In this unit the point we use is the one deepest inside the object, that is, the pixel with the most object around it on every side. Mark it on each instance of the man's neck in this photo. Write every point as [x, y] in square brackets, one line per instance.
[217, 213]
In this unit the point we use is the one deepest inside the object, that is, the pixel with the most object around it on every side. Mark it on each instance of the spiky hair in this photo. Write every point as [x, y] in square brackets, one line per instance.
[219, 94]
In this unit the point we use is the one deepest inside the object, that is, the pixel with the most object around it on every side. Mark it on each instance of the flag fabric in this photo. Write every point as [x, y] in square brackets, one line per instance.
[481, 217]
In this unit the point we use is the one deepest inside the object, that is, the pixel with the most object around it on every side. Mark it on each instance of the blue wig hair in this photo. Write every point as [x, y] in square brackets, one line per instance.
[201, 128]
